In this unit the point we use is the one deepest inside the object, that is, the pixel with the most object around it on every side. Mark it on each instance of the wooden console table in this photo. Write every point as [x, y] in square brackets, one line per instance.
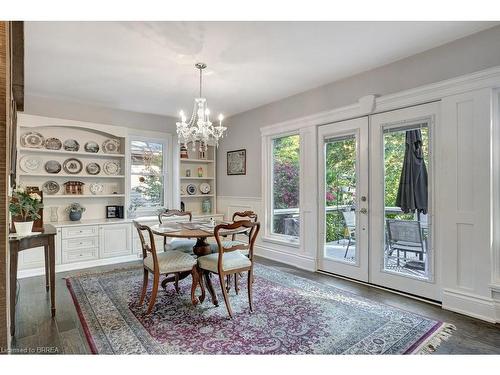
[17, 244]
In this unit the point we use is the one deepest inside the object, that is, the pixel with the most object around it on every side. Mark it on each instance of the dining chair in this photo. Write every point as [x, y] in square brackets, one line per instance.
[164, 263]
[242, 215]
[230, 259]
[182, 244]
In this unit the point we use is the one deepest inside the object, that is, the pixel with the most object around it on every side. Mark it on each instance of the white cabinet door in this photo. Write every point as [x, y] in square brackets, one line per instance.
[115, 240]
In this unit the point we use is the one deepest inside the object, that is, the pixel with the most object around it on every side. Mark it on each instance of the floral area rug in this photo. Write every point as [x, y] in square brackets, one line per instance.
[292, 315]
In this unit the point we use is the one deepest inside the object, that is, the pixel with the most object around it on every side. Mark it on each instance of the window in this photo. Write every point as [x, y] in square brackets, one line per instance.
[147, 174]
[285, 214]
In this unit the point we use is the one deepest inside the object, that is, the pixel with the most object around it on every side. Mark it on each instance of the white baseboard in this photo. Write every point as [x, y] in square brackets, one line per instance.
[470, 304]
[296, 260]
[77, 266]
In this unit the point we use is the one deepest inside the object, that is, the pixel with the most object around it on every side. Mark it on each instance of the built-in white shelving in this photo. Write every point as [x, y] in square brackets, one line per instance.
[81, 132]
[201, 170]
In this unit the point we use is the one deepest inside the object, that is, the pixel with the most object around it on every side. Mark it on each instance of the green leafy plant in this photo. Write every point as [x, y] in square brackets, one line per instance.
[25, 205]
[75, 207]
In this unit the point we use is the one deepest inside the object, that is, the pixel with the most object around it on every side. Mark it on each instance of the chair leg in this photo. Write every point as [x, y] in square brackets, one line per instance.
[152, 300]
[348, 244]
[226, 297]
[176, 283]
[196, 278]
[202, 286]
[228, 283]
[236, 286]
[250, 278]
[144, 286]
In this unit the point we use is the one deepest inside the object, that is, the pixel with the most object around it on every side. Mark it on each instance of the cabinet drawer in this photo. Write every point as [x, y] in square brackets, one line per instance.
[78, 243]
[82, 231]
[79, 255]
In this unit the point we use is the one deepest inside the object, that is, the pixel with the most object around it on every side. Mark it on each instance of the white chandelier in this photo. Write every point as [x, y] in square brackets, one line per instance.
[199, 128]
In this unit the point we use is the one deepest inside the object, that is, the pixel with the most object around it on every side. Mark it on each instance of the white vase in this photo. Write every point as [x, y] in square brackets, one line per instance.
[23, 228]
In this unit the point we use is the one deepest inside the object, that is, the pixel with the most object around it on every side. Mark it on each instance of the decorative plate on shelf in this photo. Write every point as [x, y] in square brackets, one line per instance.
[191, 189]
[53, 144]
[72, 166]
[50, 187]
[71, 145]
[111, 146]
[204, 188]
[111, 167]
[91, 147]
[30, 164]
[32, 140]
[53, 166]
[93, 168]
[96, 188]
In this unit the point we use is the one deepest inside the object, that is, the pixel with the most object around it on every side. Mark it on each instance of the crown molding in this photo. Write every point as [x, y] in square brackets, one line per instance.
[419, 95]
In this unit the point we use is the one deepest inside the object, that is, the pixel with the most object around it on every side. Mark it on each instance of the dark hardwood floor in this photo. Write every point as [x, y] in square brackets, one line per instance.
[38, 333]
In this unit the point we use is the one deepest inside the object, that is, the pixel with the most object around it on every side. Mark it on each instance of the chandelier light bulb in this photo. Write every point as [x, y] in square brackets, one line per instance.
[221, 117]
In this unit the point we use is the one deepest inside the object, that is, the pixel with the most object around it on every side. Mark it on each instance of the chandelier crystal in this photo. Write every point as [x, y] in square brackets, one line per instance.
[200, 129]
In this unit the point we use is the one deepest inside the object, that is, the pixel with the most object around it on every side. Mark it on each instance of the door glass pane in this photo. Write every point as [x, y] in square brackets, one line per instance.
[340, 198]
[407, 227]
[285, 188]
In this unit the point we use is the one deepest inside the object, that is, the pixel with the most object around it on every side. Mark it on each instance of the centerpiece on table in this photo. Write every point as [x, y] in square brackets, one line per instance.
[24, 207]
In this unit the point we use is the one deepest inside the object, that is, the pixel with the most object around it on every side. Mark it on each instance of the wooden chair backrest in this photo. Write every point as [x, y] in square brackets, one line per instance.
[147, 248]
[170, 213]
[246, 214]
[253, 228]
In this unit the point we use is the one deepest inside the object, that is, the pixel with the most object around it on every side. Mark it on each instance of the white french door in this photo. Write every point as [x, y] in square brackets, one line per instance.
[343, 206]
[402, 255]
[363, 232]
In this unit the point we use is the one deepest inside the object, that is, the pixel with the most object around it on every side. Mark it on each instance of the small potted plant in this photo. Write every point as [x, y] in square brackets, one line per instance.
[75, 211]
[24, 207]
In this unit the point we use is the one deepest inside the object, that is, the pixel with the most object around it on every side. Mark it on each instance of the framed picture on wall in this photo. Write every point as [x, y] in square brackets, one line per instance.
[237, 162]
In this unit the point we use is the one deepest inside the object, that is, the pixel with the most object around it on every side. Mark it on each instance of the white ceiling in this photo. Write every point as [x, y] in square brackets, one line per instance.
[149, 66]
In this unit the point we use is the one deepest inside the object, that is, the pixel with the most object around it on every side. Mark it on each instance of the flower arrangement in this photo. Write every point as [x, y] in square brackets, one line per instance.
[75, 211]
[25, 205]
[75, 207]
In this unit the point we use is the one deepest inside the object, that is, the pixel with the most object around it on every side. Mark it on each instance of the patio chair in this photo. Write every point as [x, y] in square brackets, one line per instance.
[405, 236]
[350, 223]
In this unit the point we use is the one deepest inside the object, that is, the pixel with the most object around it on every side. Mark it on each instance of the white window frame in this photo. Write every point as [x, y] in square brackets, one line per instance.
[267, 161]
[168, 156]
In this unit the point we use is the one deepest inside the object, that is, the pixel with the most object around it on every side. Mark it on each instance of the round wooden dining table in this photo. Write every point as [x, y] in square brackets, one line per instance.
[201, 231]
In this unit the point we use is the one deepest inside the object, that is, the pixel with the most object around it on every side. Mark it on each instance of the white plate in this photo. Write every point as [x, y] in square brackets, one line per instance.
[32, 140]
[111, 146]
[30, 164]
[111, 167]
[204, 188]
[96, 188]
[50, 187]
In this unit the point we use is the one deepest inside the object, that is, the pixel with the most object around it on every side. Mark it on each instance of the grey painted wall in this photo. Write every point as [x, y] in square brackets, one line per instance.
[473, 53]
[50, 107]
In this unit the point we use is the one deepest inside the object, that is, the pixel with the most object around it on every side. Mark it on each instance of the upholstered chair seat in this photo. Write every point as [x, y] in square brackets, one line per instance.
[230, 261]
[181, 244]
[171, 262]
